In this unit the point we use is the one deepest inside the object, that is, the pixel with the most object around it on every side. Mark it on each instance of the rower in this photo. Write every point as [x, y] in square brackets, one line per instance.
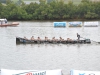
[68, 39]
[46, 38]
[32, 38]
[25, 38]
[53, 38]
[39, 39]
[61, 39]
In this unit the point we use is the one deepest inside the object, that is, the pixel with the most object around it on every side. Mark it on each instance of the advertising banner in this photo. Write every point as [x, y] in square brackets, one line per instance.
[30, 72]
[80, 72]
[75, 24]
[59, 24]
[91, 24]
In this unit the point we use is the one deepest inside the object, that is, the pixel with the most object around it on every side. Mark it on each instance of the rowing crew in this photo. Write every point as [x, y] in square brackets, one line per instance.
[46, 39]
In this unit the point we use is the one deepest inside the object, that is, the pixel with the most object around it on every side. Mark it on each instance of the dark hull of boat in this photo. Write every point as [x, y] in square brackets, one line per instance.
[24, 41]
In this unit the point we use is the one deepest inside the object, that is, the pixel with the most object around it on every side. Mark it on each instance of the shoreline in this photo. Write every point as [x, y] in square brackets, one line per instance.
[61, 20]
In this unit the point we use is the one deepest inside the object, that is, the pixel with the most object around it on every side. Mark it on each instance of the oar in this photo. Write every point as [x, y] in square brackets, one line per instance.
[98, 42]
[91, 40]
[82, 37]
[94, 41]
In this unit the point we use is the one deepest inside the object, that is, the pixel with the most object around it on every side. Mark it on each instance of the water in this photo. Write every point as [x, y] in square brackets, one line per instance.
[49, 56]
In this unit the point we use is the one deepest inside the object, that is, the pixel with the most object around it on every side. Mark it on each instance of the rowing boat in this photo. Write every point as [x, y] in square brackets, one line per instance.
[20, 40]
[9, 24]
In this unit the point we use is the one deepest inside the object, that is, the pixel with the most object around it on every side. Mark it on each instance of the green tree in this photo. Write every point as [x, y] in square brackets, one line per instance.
[91, 15]
[18, 14]
[1, 8]
[97, 8]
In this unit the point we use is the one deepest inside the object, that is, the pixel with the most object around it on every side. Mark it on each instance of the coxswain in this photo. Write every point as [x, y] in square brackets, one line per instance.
[78, 36]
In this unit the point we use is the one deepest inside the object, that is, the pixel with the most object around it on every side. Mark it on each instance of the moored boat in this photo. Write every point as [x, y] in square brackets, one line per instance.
[20, 40]
[3, 23]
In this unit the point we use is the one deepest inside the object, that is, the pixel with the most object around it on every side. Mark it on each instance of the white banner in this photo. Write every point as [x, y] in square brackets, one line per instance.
[91, 23]
[31, 72]
[80, 72]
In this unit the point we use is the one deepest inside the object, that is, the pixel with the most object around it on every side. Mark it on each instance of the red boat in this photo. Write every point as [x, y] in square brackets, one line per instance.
[3, 23]
[10, 24]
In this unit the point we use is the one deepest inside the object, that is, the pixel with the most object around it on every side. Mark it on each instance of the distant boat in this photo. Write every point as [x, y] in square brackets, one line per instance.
[75, 24]
[3, 23]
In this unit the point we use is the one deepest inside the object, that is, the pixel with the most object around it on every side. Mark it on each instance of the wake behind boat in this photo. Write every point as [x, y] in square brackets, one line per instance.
[20, 40]
[4, 23]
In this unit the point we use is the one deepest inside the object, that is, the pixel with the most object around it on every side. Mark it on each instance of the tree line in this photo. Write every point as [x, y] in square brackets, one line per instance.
[55, 10]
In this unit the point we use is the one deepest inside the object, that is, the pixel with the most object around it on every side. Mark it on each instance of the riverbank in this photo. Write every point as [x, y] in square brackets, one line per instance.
[60, 20]
[86, 10]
